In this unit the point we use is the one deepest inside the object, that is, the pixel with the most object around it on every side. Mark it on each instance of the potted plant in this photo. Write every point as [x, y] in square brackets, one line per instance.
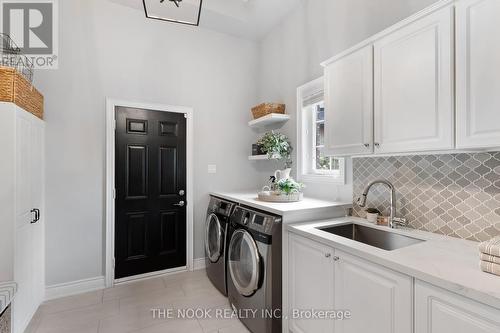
[277, 146]
[289, 186]
[372, 215]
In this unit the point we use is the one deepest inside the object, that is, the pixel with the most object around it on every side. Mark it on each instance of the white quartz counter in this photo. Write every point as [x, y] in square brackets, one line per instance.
[446, 262]
[307, 209]
[7, 292]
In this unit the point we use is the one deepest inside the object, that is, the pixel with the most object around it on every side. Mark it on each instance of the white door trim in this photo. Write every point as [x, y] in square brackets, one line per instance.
[111, 104]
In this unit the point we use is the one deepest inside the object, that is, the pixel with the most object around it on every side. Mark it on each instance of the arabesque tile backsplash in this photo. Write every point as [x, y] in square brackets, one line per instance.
[452, 194]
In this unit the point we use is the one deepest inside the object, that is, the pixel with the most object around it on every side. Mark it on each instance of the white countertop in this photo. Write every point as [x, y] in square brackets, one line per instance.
[7, 293]
[283, 209]
[446, 262]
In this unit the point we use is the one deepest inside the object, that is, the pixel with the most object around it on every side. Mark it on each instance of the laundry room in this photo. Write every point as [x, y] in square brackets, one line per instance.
[249, 166]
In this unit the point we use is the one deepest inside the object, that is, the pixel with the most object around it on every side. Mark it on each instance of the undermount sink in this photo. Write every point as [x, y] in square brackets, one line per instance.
[374, 237]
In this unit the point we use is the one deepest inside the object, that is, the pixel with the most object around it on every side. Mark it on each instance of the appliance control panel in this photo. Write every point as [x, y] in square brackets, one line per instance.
[221, 207]
[254, 220]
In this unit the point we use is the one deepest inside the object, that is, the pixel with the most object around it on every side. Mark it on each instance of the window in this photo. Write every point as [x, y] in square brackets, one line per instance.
[314, 163]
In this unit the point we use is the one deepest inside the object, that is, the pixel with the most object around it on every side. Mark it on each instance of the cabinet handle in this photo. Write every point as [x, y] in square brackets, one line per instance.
[336, 258]
[36, 211]
[328, 255]
[377, 145]
[367, 145]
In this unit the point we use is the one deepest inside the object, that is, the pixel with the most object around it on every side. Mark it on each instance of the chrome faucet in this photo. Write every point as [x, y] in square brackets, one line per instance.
[393, 220]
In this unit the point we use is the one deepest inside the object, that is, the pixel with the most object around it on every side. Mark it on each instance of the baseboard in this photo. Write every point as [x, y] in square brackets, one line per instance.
[74, 288]
[199, 264]
[97, 283]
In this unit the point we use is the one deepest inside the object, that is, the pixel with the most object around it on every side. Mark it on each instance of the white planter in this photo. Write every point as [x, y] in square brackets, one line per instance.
[372, 217]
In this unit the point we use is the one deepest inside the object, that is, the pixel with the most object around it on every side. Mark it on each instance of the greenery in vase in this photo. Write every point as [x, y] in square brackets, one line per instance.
[289, 186]
[277, 146]
[373, 211]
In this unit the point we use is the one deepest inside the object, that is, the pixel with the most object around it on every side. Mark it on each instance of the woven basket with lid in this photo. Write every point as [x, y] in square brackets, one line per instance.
[264, 109]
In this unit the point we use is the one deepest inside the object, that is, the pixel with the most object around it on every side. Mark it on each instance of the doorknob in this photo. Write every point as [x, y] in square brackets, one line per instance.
[180, 204]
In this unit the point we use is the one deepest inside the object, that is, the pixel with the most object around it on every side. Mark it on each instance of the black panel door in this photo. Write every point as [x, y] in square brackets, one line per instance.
[150, 220]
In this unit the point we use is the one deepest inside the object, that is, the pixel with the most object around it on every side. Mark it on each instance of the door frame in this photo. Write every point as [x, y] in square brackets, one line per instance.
[111, 105]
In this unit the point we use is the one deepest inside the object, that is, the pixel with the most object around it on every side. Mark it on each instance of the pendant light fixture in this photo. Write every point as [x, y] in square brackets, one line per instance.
[176, 11]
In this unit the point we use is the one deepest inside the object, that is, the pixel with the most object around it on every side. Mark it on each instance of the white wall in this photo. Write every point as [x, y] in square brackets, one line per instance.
[291, 54]
[108, 50]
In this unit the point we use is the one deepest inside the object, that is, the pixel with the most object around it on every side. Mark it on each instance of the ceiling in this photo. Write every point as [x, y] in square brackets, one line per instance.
[250, 19]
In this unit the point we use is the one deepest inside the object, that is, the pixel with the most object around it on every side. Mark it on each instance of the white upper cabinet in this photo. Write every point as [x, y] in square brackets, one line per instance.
[414, 69]
[437, 310]
[349, 104]
[310, 279]
[478, 73]
[379, 299]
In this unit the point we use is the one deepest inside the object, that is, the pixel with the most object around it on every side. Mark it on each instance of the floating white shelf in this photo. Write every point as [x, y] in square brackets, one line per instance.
[261, 157]
[258, 157]
[273, 119]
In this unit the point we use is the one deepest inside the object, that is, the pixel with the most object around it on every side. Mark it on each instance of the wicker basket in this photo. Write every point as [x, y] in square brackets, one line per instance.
[267, 108]
[15, 89]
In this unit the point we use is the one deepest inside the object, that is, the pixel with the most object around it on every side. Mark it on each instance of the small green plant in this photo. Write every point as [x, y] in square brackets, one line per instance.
[277, 146]
[373, 211]
[289, 186]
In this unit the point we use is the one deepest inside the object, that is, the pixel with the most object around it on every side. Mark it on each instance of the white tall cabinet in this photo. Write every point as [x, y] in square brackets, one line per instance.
[414, 88]
[22, 180]
[478, 79]
[349, 103]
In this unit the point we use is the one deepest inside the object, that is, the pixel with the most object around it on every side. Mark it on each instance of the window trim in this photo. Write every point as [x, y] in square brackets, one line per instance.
[304, 143]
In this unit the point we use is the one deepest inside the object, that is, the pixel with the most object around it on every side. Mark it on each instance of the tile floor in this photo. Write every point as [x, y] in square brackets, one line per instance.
[128, 308]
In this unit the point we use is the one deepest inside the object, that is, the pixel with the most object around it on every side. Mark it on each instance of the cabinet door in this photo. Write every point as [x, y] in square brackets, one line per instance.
[23, 251]
[310, 284]
[23, 169]
[37, 190]
[414, 86]
[349, 104]
[379, 299]
[437, 310]
[478, 79]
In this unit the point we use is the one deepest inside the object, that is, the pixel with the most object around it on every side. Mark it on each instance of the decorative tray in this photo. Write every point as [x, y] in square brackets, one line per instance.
[280, 197]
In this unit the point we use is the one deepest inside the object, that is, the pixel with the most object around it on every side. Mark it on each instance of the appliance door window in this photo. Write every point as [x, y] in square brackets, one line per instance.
[213, 238]
[244, 263]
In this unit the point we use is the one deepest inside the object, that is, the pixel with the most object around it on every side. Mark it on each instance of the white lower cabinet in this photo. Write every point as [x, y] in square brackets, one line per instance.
[310, 277]
[379, 299]
[440, 311]
[321, 278]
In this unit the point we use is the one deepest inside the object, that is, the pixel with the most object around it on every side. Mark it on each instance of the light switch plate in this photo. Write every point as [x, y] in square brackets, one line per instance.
[212, 168]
